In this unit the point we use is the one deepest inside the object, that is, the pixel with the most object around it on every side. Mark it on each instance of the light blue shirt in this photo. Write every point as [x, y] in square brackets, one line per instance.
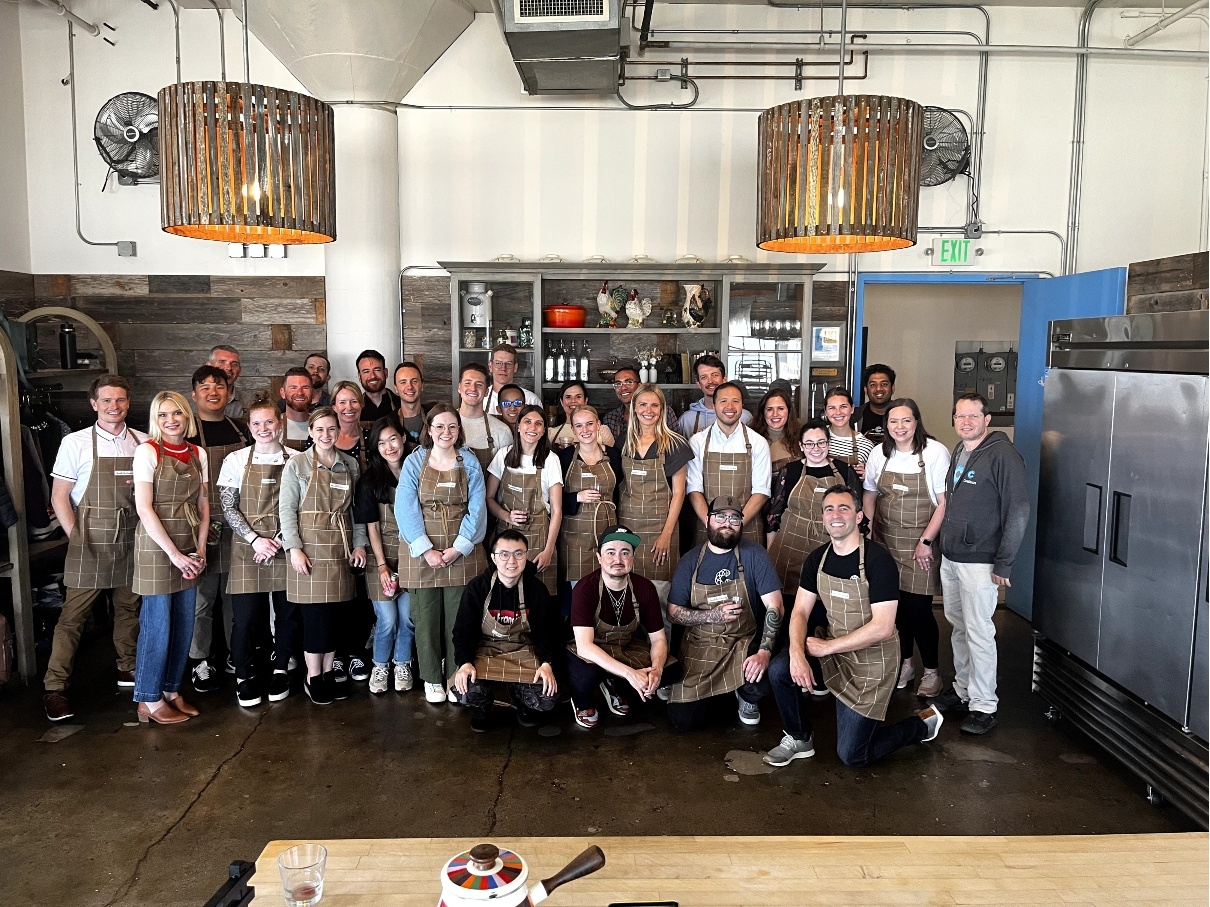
[411, 520]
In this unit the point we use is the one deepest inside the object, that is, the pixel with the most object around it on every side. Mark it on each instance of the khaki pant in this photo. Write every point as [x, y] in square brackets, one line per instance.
[208, 588]
[970, 595]
[76, 609]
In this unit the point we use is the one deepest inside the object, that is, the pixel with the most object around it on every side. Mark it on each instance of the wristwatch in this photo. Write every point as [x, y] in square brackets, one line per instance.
[927, 543]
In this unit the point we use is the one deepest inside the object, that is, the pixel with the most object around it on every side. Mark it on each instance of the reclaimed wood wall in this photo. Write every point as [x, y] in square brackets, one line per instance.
[164, 326]
[1179, 283]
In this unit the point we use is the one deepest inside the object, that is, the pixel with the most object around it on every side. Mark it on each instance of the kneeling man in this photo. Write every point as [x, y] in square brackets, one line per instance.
[858, 583]
[609, 607]
[507, 631]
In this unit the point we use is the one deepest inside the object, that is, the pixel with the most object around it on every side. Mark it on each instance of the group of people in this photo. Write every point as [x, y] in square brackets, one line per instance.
[602, 561]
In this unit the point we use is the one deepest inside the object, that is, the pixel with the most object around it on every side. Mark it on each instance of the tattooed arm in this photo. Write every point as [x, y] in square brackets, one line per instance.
[694, 617]
[768, 634]
[229, 497]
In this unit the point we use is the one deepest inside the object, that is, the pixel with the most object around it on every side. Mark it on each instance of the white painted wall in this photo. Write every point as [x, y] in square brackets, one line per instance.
[14, 219]
[143, 60]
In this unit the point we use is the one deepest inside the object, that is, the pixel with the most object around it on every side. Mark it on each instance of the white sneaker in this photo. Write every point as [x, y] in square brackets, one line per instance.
[788, 750]
[403, 678]
[906, 674]
[378, 678]
[434, 692]
[932, 719]
[451, 694]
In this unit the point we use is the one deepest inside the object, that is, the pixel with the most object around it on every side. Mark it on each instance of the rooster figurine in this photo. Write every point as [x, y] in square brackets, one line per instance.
[697, 305]
[636, 311]
[605, 305]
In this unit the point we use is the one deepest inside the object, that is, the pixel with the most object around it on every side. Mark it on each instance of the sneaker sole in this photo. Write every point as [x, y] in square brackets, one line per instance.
[751, 722]
[786, 762]
[586, 725]
[61, 717]
[622, 711]
[249, 703]
[126, 684]
[278, 697]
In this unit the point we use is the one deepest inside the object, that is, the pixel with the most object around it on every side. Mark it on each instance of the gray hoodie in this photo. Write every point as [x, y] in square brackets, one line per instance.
[987, 506]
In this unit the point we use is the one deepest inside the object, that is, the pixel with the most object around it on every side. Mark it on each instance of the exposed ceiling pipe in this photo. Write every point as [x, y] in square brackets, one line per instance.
[63, 11]
[222, 39]
[1164, 23]
[1076, 176]
[176, 27]
[1010, 50]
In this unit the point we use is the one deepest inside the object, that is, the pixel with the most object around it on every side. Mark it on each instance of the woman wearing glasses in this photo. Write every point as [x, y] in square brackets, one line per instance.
[525, 492]
[573, 395]
[794, 522]
[442, 516]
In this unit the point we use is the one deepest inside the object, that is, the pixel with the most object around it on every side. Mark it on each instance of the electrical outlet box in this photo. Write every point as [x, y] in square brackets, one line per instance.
[127, 248]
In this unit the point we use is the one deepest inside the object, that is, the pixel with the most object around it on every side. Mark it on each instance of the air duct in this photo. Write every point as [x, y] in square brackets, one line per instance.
[566, 46]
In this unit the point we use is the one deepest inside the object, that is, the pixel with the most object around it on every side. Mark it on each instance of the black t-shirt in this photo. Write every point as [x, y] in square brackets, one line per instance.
[365, 505]
[881, 571]
[372, 412]
[677, 458]
[221, 433]
[871, 424]
[585, 600]
[545, 622]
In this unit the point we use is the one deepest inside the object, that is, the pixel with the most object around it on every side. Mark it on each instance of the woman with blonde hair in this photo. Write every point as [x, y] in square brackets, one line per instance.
[655, 460]
[173, 505]
[592, 474]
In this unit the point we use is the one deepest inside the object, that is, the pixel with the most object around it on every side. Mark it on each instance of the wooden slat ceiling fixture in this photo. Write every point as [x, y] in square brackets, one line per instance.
[248, 163]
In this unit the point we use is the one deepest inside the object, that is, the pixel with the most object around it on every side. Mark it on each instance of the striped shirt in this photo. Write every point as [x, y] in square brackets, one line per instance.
[840, 446]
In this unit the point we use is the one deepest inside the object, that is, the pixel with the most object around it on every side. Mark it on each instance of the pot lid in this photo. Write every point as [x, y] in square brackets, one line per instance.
[485, 871]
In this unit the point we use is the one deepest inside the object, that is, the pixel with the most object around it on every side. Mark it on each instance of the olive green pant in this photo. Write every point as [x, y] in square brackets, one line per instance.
[77, 607]
[433, 613]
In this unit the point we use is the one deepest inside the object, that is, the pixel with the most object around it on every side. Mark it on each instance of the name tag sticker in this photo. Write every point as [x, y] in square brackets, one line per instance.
[900, 488]
[439, 485]
[728, 467]
[516, 489]
[340, 487]
[123, 472]
[819, 489]
[638, 472]
[273, 482]
[714, 599]
[843, 595]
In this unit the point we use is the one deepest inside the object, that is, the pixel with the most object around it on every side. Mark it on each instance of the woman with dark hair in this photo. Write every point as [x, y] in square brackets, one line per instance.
[509, 401]
[525, 492]
[394, 633]
[794, 520]
[845, 442]
[905, 482]
[442, 516]
[573, 395]
[777, 423]
[592, 473]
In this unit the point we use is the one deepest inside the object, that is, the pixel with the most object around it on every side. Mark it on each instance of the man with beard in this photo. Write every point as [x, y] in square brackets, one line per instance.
[318, 367]
[227, 359]
[858, 582]
[625, 383]
[727, 594]
[378, 400]
[503, 365]
[409, 384]
[296, 393]
[879, 383]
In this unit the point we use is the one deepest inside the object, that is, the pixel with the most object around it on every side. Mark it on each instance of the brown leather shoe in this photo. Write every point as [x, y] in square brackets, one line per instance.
[57, 706]
[126, 678]
[178, 702]
[162, 713]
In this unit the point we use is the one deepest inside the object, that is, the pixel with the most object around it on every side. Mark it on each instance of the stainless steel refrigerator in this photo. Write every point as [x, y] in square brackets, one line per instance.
[1120, 591]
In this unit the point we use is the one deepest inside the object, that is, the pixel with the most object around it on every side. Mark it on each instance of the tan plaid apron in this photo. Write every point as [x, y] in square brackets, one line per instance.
[389, 530]
[174, 494]
[100, 551]
[259, 491]
[506, 653]
[523, 491]
[218, 548]
[484, 455]
[443, 502]
[903, 511]
[802, 529]
[853, 457]
[863, 680]
[294, 445]
[643, 507]
[730, 475]
[714, 654]
[323, 526]
[579, 533]
[621, 641]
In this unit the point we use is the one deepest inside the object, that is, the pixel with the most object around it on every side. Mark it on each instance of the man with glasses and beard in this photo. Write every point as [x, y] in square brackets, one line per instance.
[727, 595]
[508, 630]
[625, 383]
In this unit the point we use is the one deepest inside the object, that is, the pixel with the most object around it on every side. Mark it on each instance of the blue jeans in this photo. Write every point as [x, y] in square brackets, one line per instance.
[165, 631]
[789, 697]
[394, 633]
[861, 740]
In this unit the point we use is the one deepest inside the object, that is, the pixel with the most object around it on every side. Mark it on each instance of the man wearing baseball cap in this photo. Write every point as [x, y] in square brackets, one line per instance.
[727, 594]
[609, 608]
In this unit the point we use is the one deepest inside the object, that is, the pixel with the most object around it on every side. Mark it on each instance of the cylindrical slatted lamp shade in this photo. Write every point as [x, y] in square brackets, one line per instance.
[246, 163]
[839, 174]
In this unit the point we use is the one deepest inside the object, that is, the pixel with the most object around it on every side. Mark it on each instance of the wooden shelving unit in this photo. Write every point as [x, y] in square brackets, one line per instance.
[16, 569]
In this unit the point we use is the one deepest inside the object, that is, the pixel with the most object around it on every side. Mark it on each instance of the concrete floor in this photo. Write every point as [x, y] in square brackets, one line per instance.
[121, 814]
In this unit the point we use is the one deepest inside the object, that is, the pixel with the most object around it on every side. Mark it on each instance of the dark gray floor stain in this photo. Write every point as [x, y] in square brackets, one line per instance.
[1078, 758]
[62, 732]
[625, 730]
[973, 752]
[549, 731]
[746, 762]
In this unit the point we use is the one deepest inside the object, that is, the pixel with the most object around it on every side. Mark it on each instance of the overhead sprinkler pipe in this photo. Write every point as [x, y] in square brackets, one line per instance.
[1164, 23]
[63, 11]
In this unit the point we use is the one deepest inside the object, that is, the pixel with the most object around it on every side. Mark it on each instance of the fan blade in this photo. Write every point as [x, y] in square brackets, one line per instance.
[143, 163]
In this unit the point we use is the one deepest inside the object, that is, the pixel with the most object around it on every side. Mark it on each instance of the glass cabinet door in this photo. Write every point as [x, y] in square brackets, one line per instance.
[490, 312]
[764, 337]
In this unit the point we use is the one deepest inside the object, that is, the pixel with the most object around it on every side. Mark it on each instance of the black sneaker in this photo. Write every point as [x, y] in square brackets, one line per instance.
[279, 686]
[205, 677]
[247, 693]
[481, 720]
[978, 723]
[338, 672]
[358, 669]
[336, 690]
[317, 690]
[527, 717]
[948, 701]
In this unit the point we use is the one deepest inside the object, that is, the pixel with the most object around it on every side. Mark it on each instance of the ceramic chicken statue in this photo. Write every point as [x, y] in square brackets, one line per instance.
[697, 305]
[637, 310]
[605, 305]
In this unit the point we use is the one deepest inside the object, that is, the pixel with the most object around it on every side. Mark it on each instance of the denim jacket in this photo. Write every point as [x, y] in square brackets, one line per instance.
[411, 520]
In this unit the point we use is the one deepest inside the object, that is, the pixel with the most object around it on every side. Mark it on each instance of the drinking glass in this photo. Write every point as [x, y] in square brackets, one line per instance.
[302, 874]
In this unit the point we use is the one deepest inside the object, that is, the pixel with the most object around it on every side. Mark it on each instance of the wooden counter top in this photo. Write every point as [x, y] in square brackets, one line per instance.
[792, 871]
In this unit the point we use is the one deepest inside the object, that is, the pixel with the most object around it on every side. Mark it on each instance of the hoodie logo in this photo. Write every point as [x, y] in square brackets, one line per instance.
[970, 476]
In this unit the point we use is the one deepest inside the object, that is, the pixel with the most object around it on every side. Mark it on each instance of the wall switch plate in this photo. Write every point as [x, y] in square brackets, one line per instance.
[277, 250]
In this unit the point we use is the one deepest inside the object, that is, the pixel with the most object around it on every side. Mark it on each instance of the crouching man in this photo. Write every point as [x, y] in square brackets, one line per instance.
[507, 631]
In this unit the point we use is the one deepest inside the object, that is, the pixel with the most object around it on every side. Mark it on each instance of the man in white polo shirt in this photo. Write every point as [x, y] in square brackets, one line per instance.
[93, 497]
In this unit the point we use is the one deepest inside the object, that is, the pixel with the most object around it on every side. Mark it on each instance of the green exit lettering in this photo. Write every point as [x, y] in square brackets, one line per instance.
[955, 252]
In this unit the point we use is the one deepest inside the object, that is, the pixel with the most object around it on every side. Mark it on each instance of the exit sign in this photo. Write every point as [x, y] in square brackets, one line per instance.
[953, 252]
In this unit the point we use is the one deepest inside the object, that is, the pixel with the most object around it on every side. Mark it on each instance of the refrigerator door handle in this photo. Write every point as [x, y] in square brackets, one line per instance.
[1119, 532]
[1093, 497]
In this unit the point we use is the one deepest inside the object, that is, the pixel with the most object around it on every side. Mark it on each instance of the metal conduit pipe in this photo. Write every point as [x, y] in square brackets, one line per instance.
[176, 25]
[1011, 50]
[222, 39]
[1076, 176]
[1164, 23]
[63, 11]
[959, 231]
[75, 154]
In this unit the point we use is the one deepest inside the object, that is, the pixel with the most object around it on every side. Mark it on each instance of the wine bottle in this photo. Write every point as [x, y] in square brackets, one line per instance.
[584, 351]
[573, 362]
[561, 364]
[549, 364]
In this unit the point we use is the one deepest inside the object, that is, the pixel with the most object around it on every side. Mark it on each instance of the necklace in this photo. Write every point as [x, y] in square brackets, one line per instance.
[618, 600]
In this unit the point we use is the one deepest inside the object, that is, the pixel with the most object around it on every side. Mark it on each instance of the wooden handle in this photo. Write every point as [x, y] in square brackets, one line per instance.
[588, 862]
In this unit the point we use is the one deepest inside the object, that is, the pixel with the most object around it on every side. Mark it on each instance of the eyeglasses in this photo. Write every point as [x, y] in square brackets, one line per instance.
[625, 382]
[728, 519]
[814, 443]
[510, 555]
[500, 363]
[974, 418]
[509, 404]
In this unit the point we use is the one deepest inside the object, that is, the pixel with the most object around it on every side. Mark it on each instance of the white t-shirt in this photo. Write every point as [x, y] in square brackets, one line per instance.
[936, 466]
[476, 434]
[552, 472]
[231, 475]
[146, 458]
[296, 431]
[73, 463]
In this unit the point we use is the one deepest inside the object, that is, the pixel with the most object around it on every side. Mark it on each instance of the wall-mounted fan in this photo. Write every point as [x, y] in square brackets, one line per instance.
[127, 133]
[947, 147]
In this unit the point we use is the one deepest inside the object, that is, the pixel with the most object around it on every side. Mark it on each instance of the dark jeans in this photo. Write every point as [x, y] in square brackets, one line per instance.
[690, 716]
[583, 678]
[250, 631]
[916, 624]
[319, 626]
[789, 697]
[481, 694]
[354, 622]
[861, 740]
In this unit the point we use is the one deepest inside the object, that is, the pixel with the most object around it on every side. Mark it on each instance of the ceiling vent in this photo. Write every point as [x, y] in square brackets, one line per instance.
[566, 46]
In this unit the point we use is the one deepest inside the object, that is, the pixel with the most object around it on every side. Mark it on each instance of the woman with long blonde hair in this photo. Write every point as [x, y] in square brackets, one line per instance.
[592, 473]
